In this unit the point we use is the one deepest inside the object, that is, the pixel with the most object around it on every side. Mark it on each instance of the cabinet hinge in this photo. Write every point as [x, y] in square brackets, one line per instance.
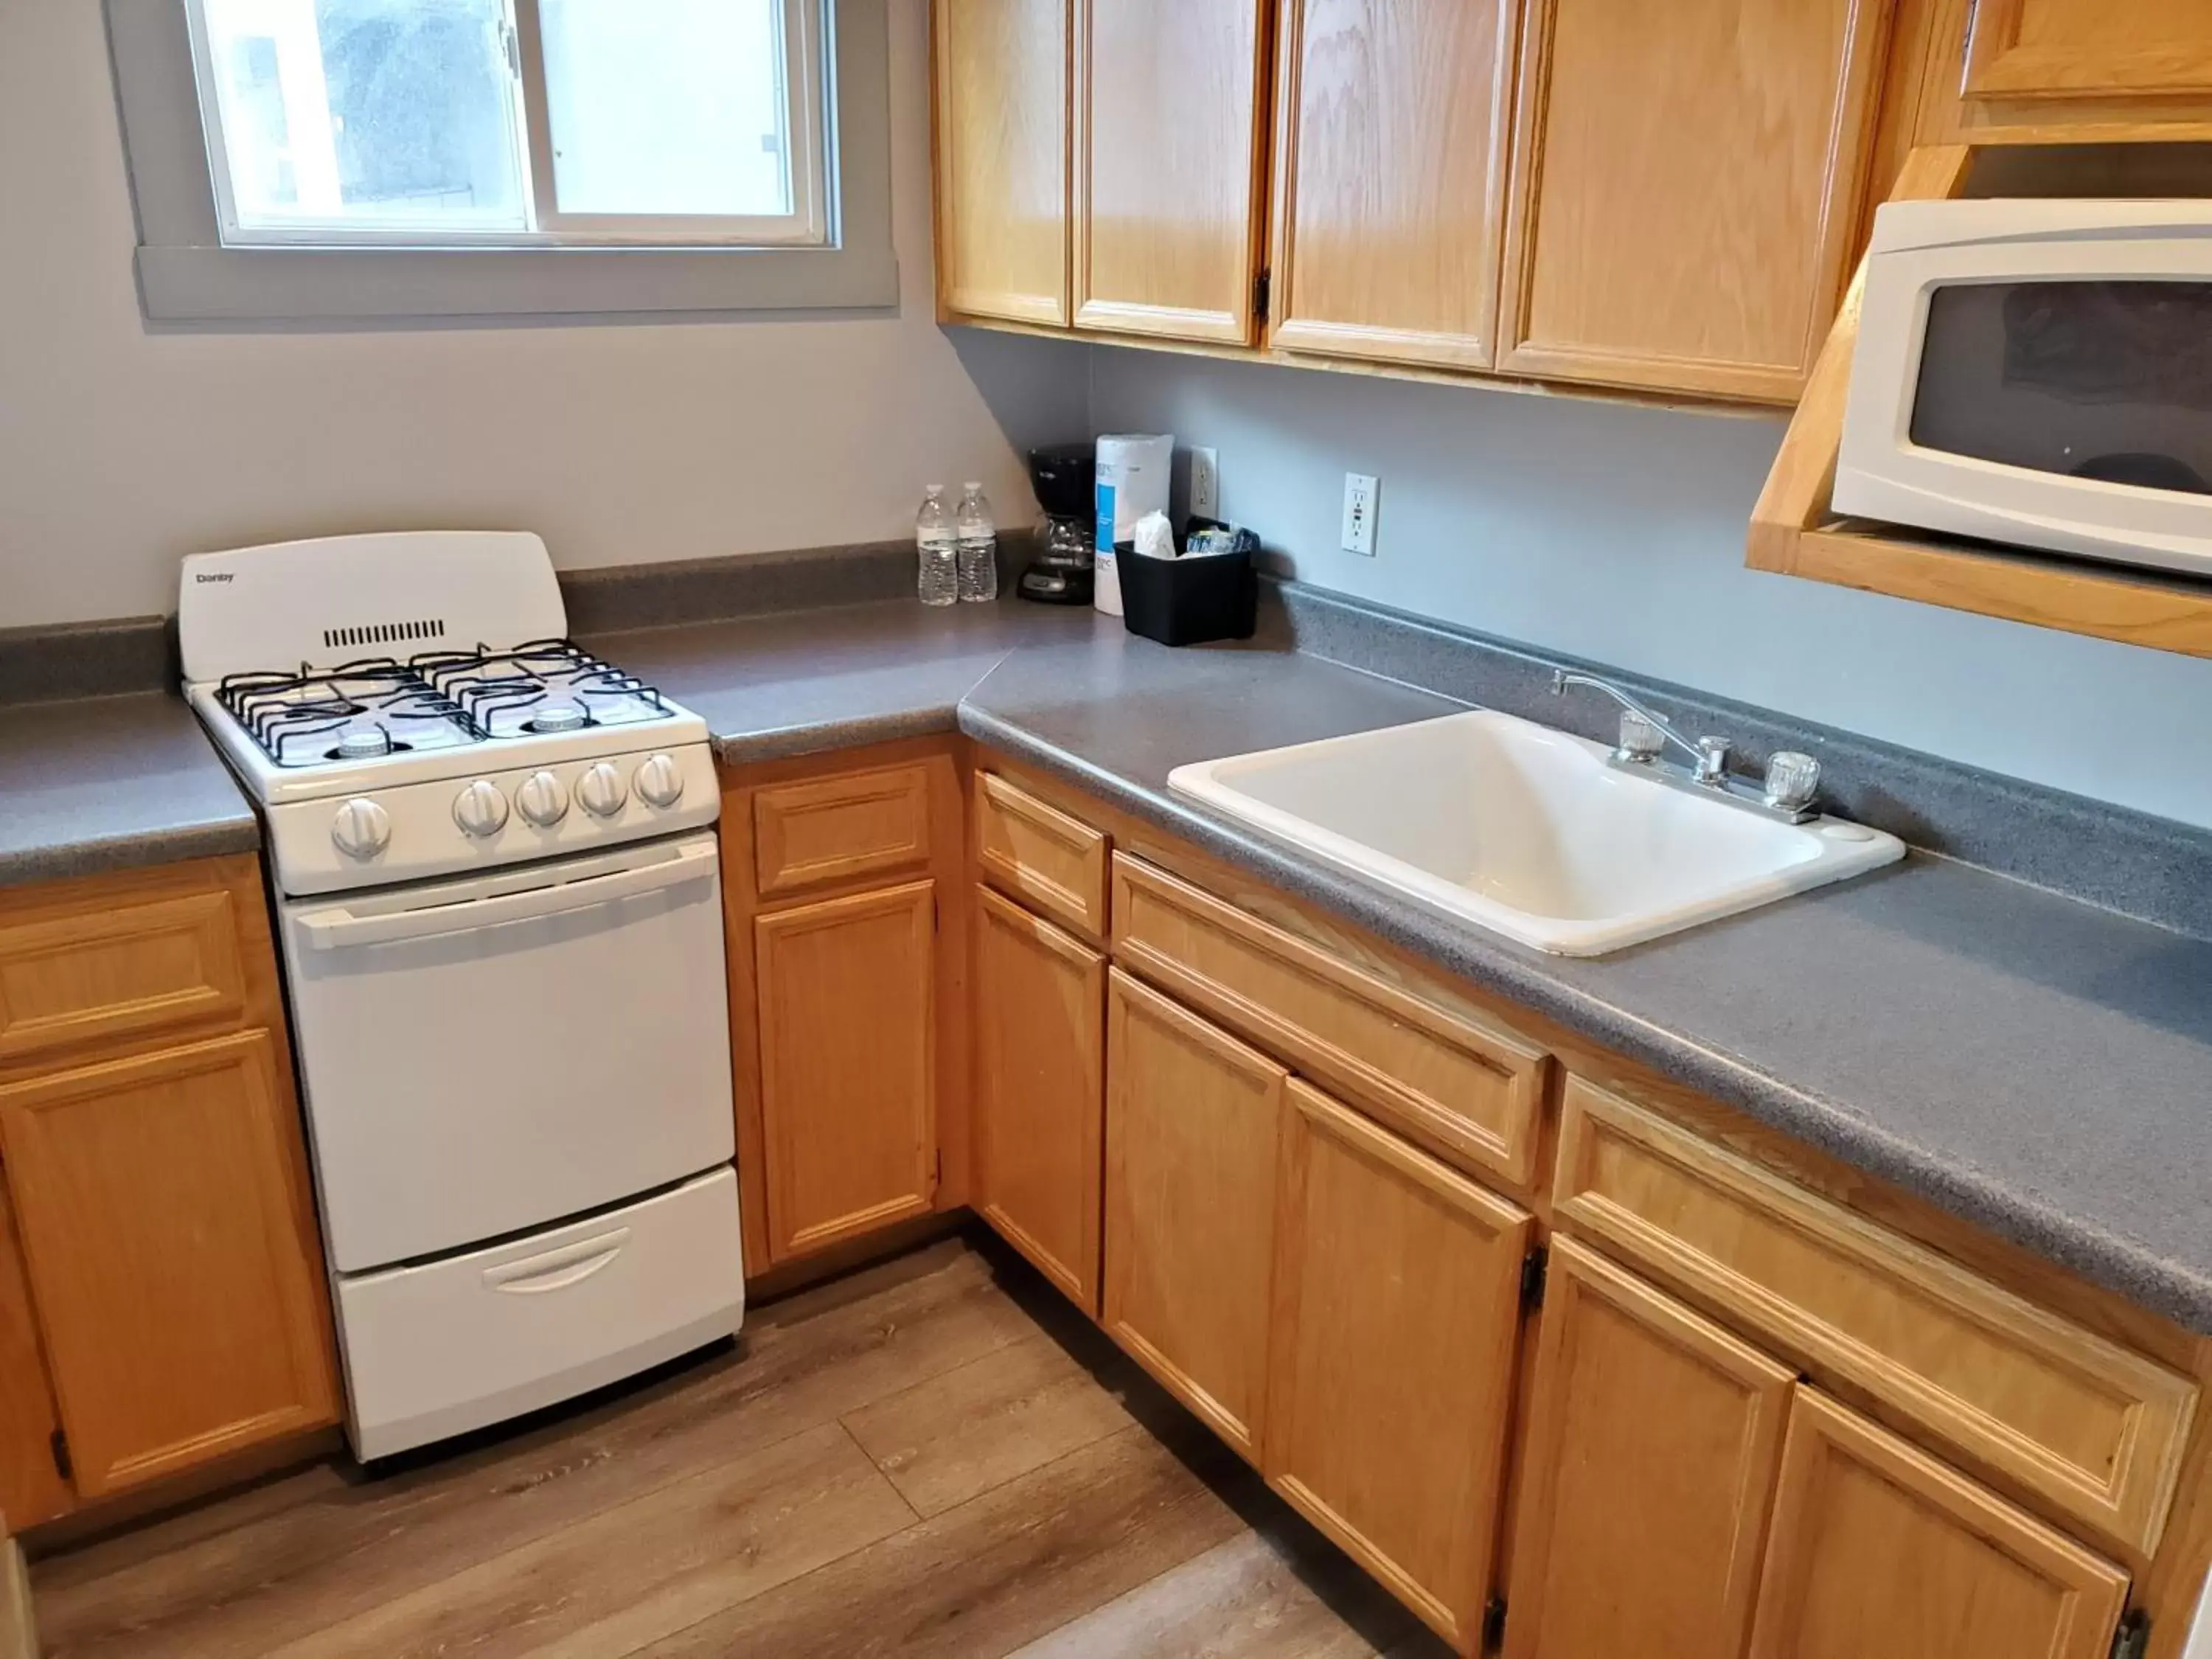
[58, 1442]
[933, 913]
[937, 1171]
[1260, 287]
[1493, 1625]
[1534, 1266]
[2132, 1639]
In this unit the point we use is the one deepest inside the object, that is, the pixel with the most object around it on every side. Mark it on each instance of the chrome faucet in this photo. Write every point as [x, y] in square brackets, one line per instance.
[1791, 778]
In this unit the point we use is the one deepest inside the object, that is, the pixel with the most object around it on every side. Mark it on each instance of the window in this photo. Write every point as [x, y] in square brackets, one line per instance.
[367, 158]
[503, 122]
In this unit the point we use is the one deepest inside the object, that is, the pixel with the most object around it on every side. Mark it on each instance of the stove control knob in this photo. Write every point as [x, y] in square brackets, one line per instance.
[601, 791]
[542, 800]
[480, 809]
[362, 829]
[660, 781]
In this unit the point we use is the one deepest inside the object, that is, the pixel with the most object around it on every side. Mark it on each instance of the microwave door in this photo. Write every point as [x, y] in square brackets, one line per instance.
[2054, 397]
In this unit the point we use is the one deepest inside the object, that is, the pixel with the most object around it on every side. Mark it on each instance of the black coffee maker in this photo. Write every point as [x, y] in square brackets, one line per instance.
[1065, 478]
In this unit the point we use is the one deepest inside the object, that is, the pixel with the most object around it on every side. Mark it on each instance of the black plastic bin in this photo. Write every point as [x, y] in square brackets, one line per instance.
[1190, 600]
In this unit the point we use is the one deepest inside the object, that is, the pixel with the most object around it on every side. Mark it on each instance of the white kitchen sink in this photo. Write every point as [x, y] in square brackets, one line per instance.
[1528, 831]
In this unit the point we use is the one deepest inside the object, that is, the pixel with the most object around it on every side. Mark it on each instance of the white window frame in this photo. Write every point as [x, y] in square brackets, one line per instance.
[835, 255]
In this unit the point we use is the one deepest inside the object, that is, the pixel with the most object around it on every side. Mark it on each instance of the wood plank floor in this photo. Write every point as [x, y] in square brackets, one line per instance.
[935, 1456]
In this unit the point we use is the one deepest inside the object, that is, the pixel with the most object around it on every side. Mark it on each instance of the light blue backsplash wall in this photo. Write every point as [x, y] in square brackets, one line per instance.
[1616, 533]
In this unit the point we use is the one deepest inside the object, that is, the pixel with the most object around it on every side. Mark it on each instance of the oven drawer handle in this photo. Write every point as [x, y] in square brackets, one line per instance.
[335, 928]
[556, 1270]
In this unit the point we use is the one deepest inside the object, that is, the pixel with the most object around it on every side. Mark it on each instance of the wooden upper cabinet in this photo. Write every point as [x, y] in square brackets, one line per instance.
[1390, 141]
[1168, 142]
[1390, 1384]
[1878, 1549]
[1685, 189]
[848, 997]
[164, 1209]
[1647, 1474]
[1040, 1091]
[1002, 158]
[1194, 1121]
[2033, 49]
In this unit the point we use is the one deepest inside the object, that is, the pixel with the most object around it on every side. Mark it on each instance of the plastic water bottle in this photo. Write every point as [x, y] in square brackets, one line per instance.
[979, 545]
[937, 544]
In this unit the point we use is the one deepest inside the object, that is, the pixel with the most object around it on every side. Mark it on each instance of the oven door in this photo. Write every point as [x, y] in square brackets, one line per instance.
[2038, 373]
[492, 1054]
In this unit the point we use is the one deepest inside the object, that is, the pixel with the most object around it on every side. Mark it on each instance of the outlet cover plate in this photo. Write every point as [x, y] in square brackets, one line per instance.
[1360, 492]
[1205, 483]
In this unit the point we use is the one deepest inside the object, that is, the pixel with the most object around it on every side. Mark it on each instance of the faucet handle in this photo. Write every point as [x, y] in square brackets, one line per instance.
[1640, 740]
[1791, 779]
[1712, 760]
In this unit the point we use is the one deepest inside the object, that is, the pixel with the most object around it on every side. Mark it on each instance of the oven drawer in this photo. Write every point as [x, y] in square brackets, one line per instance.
[434, 1350]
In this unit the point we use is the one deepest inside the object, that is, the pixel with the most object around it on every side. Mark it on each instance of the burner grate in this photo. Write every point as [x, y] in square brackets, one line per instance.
[375, 706]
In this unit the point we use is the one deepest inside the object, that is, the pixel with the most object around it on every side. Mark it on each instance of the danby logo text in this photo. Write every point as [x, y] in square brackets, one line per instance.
[213, 576]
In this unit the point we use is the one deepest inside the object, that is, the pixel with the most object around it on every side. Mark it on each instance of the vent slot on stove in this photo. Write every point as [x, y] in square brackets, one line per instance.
[383, 632]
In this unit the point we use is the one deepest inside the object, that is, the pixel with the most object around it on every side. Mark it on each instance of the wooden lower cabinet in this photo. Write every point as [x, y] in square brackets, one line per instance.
[1040, 1091]
[165, 1216]
[1880, 1552]
[32, 1489]
[1193, 1122]
[1684, 1496]
[1647, 1468]
[847, 1011]
[1390, 1381]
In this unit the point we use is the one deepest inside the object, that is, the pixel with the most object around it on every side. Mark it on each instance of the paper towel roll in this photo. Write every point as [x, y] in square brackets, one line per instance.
[1132, 481]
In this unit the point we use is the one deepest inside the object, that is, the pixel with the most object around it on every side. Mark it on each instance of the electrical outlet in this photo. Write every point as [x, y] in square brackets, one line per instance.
[1205, 483]
[1360, 490]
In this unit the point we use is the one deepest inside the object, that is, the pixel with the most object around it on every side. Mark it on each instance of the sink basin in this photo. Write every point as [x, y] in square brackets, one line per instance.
[1527, 831]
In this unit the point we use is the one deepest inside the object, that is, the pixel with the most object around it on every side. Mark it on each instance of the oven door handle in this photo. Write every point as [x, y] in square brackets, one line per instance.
[336, 928]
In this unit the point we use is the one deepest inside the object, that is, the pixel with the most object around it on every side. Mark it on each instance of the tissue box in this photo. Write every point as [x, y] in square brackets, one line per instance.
[1190, 600]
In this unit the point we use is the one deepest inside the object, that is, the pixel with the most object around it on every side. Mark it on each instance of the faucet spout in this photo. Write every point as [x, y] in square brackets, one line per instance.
[1708, 759]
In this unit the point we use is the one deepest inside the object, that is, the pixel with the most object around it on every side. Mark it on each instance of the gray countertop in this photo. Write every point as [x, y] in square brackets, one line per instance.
[106, 783]
[2031, 1064]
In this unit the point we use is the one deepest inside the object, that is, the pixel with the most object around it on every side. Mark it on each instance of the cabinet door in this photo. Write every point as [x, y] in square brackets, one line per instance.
[1003, 122]
[173, 1256]
[1389, 177]
[1880, 1552]
[1686, 185]
[1397, 1296]
[2031, 49]
[848, 1044]
[1168, 149]
[1648, 1469]
[1040, 1091]
[32, 1489]
[1193, 1119]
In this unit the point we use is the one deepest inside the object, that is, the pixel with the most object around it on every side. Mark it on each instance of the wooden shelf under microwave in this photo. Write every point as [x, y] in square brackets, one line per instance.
[1796, 532]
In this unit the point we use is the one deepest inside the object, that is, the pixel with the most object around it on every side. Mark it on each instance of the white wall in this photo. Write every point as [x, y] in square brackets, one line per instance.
[121, 448]
[1616, 533]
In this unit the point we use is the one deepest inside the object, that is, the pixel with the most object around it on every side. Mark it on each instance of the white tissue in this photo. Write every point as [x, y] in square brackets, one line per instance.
[1155, 537]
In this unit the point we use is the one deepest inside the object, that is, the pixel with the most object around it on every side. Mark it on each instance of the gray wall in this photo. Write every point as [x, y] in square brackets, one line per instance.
[1616, 533]
[123, 446]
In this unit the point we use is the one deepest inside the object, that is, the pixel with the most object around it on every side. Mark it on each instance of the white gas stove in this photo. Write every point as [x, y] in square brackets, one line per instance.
[499, 912]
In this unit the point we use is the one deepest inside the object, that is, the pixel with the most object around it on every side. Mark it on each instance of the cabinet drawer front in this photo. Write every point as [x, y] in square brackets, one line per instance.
[2090, 1427]
[866, 823]
[111, 974]
[1039, 853]
[1472, 1091]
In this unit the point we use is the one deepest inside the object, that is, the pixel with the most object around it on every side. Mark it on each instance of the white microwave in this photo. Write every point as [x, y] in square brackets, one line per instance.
[2039, 374]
